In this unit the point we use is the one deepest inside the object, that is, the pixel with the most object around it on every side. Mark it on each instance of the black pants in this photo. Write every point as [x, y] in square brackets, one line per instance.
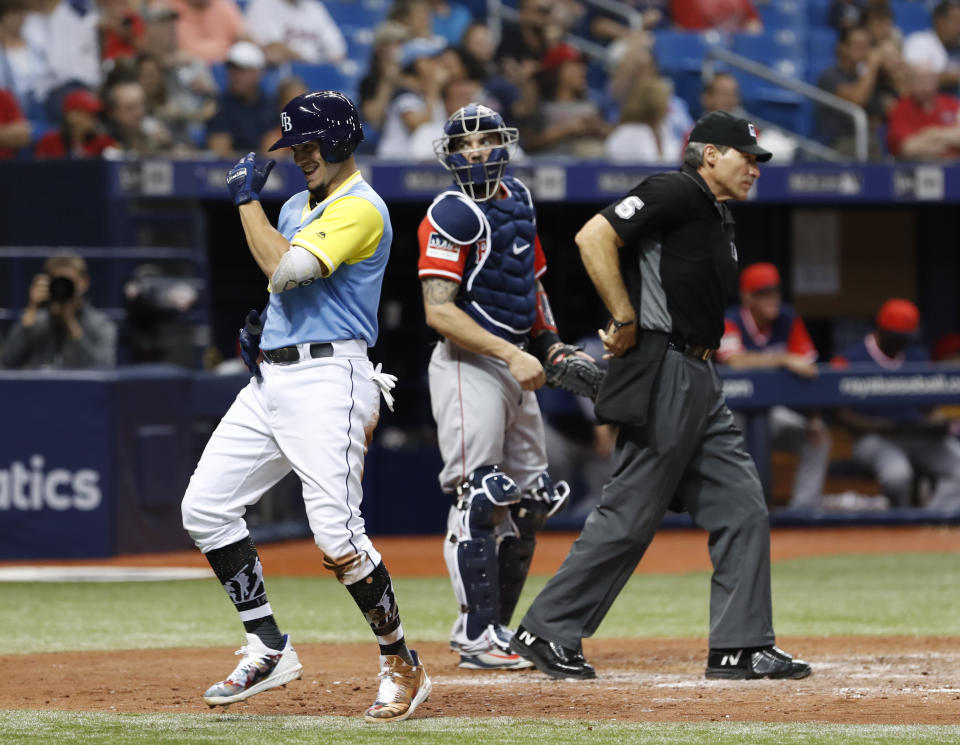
[690, 450]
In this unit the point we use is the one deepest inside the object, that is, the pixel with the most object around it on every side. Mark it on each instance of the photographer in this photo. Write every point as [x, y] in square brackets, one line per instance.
[58, 330]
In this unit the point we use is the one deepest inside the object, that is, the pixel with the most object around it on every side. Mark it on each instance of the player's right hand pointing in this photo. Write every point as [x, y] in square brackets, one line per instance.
[527, 370]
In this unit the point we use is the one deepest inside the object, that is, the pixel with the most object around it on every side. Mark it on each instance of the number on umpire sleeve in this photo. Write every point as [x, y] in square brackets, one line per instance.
[628, 207]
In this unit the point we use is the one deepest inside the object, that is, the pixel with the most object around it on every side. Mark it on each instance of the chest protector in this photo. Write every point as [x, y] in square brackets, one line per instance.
[499, 288]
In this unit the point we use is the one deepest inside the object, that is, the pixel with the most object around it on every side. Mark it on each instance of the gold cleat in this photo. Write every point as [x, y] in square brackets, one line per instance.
[403, 687]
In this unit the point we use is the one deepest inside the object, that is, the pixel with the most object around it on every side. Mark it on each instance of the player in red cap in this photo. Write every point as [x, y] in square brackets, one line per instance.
[894, 442]
[764, 332]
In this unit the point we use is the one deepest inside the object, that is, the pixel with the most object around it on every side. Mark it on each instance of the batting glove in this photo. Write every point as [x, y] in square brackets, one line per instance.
[245, 180]
[385, 382]
[250, 342]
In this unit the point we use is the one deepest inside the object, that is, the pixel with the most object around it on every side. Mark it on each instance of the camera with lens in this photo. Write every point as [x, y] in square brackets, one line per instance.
[62, 289]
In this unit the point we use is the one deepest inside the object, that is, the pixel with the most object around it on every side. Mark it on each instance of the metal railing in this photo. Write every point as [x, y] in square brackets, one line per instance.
[856, 113]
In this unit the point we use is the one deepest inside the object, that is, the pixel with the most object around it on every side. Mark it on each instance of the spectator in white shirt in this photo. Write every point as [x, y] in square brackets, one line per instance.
[23, 65]
[295, 31]
[69, 37]
[644, 134]
[417, 99]
[938, 48]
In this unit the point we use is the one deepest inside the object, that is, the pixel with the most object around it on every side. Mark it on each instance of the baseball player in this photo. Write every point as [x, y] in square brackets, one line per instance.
[480, 267]
[763, 332]
[312, 404]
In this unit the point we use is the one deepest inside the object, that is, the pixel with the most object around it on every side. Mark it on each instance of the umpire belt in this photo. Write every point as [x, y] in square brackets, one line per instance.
[691, 350]
[315, 350]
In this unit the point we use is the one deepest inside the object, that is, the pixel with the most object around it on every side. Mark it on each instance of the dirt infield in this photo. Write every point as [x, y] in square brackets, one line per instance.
[882, 680]
[875, 680]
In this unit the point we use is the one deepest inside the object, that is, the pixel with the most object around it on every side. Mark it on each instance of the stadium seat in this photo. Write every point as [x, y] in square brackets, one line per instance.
[818, 13]
[680, 55]
[790, 115]
[359, 43]
[367, 13]
[343, 76]
[821, 45]
[768, 101]
[911, 17]
[269, 83]
[477, 7]
[771, 49]
[682, 51]
[782, 14]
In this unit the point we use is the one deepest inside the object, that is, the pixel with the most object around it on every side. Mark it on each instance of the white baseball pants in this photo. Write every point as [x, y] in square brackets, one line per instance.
[310, 417]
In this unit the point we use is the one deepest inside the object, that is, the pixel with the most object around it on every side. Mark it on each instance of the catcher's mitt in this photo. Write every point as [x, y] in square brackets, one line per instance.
[572, 372]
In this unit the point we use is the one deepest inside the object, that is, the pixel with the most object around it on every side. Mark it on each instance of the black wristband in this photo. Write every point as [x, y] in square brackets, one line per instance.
[542, 342]
[617, 325]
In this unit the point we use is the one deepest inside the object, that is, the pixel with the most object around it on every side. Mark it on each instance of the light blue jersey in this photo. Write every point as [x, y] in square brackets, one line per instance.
[350, 233]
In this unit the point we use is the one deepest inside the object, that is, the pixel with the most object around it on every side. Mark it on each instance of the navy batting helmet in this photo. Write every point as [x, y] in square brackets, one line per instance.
[478, 180]
[328, 117]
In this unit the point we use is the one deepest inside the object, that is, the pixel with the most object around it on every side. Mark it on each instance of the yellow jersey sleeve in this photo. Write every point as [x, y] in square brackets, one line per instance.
[348, 231]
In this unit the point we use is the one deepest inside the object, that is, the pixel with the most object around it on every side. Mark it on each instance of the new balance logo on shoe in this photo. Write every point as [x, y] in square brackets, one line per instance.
[750, 663]
[731, 659]
[550, 657]
[526, 637]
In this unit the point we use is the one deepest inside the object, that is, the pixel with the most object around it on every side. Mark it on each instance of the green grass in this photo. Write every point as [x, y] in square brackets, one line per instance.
[902, 594]
[172, 729]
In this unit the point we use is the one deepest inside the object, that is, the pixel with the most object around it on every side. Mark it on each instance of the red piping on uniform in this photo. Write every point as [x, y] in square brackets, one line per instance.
[463, 444]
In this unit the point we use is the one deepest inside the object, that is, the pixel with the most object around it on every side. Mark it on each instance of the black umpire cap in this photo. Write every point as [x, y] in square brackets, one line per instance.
[723, 128]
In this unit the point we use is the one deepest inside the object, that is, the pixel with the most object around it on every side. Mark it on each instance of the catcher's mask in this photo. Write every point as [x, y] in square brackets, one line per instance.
[478, 180]
[328, 117]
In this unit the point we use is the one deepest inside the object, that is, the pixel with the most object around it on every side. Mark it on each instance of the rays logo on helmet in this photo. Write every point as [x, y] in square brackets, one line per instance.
[327, 117]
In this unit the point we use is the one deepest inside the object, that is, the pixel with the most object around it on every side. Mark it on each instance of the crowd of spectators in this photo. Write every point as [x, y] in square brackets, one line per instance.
[191, 77]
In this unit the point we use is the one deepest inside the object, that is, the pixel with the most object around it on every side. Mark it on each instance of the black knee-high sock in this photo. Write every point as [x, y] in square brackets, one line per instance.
[374, 596]
[237, 566]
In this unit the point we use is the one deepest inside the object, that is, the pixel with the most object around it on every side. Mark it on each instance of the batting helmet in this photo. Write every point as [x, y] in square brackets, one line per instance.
[328, 117]
[478, 180]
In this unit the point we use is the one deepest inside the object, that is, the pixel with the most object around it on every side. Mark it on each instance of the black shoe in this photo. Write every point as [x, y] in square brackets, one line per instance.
[550, 657]
[753, 663]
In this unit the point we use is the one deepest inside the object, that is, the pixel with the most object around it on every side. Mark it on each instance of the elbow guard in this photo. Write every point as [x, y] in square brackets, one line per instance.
[297, 268]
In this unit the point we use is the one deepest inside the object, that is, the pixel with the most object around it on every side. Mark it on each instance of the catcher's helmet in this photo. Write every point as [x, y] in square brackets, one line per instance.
[480, 180]
[328, 117]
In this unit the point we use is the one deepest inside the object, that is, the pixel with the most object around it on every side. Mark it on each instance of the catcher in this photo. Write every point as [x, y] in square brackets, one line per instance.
[480, 267]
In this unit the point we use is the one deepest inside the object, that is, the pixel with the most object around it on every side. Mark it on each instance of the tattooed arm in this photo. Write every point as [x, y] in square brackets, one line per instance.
[444, 317]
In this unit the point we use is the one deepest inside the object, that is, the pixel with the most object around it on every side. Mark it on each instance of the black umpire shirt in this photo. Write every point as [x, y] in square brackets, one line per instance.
[678, 260]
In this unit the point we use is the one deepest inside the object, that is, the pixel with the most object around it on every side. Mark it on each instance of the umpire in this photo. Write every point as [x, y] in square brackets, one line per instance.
[664, 263]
